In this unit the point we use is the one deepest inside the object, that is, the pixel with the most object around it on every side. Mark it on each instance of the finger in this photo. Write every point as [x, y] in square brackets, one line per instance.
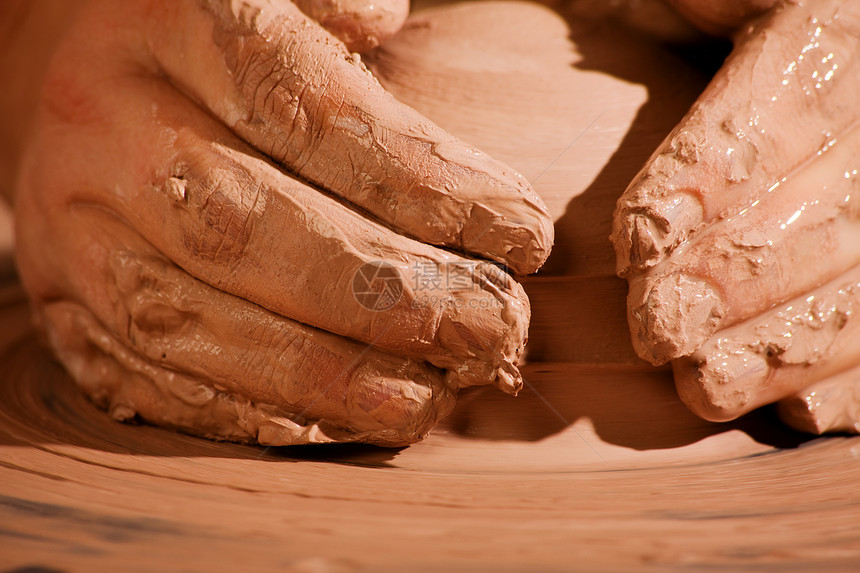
[131, 388]
[360, 24]
[194, 353]
[787, 90]
[775, 354]
[231, 219]
[803, 232]
[721, 18]
[278, 80]
[830, 406]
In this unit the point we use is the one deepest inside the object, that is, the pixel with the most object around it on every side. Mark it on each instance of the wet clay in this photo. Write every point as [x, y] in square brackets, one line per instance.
[733, 144]
[832, 405]
[199, 212]
[403, 169]
[596, 465]
[739, 237]
[776, 354]
[256, 241]
[179, 327]
[360, 25]
[802, 231]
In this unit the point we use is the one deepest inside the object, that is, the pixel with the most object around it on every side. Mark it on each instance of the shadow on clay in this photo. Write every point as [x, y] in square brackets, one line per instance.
[635, 407]
[40, 405]
[638, 410]
[575, 251]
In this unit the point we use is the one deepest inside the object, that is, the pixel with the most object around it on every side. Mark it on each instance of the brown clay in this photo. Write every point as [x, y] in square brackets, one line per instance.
[360, 24]
[227, 289]
[454, 196]
[694, 178]
[722, 18]
[739, 237]
[595, 466]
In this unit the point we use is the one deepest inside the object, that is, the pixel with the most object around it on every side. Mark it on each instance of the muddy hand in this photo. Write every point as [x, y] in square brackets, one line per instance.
[721, 17]
[740, 236]
[188, 269]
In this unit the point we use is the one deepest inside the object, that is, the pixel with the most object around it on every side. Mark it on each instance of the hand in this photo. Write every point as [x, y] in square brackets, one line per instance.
[188, 270]
[721, 17]
[740, 237]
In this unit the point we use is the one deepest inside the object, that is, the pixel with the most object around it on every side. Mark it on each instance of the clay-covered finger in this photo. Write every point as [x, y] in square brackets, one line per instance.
[787, 92]
[360, 24]
[108, 299]
[133, 389]
[288, 88]
[775, 354]
[803, 231]
[321, 389]
[829, 406]
[721, 18]
[230, 218]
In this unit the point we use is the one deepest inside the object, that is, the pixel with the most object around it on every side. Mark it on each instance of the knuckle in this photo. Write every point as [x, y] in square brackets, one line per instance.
[222, 202]
[69, 98]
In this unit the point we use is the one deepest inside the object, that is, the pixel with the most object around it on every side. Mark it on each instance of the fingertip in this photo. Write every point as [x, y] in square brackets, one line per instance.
[360, 24]
[648, 225]
[831, 405]
[493, 341]
[801, 412]
[540, 244]
[672, 315]
[716, 395]
[514, 229]
[721, 18]
[405, 404]
[527, 241]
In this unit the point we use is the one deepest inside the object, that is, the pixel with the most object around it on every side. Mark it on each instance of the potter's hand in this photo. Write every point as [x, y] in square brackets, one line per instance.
[721, 17]
[740, 238]
[183, 276]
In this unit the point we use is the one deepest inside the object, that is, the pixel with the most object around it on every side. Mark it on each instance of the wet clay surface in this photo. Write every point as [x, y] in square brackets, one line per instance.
[596, 464]
[739, 236]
